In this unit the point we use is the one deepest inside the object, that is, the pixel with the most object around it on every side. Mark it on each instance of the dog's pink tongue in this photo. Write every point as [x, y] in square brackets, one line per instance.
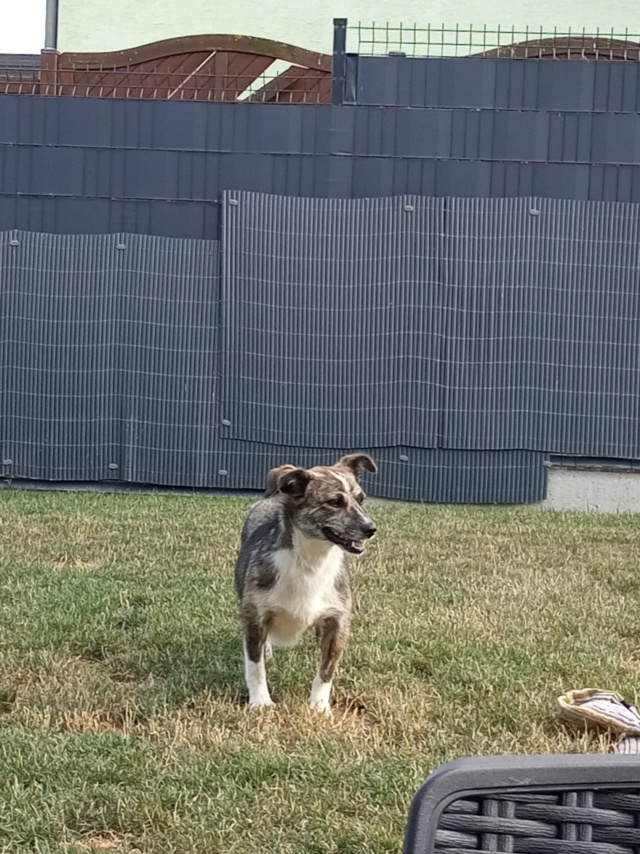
[357, 544]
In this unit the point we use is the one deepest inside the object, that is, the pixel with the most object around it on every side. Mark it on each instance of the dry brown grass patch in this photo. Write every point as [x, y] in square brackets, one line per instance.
[123, 721]
[104, 841]
[71, 562]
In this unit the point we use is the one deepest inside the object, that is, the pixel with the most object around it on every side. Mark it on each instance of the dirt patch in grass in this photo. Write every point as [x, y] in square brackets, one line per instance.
[104, 841]
[125, 722]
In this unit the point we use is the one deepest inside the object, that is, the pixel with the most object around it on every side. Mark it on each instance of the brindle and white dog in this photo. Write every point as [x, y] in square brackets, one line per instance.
[292, 571]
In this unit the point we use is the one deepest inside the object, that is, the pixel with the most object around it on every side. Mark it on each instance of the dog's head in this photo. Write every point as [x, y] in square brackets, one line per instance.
[325, 502]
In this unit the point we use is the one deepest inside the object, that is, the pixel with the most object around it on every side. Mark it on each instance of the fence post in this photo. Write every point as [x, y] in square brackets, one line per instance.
[339, 64]
[49, 71]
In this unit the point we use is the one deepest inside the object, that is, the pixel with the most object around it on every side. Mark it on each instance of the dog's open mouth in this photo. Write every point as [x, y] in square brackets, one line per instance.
[354, 547]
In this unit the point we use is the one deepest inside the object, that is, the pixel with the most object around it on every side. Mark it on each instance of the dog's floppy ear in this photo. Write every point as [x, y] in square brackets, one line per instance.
[356, 463]
[274, 476]
[294, 481]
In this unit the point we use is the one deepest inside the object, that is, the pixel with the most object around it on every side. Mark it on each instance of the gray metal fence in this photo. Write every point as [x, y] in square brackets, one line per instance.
[544, 318]
[451, 284]
[459, 341]
[112, 371]
[492, 84]
[74, 165]
[109, 347]
[333, 320]
[452, 323]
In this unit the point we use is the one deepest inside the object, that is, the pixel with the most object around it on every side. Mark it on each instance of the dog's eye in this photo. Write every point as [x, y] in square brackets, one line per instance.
[336, 502]
[360, 498]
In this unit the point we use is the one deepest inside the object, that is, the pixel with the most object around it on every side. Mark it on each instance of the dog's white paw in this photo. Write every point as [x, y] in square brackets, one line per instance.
[319, 697]
[261, 702]
[321, 706]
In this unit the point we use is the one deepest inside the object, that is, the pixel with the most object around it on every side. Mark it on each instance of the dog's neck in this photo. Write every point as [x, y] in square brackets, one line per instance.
[311, 551]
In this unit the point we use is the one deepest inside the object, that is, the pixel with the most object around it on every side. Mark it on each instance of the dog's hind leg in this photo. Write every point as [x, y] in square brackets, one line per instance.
[255, 673]
[334, 633]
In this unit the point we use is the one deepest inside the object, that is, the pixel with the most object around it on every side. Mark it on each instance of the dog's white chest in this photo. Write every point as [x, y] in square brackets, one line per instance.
[305, 590]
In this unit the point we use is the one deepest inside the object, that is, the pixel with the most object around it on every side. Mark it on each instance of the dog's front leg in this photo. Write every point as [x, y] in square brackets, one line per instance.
[334, 633]
[255, 674]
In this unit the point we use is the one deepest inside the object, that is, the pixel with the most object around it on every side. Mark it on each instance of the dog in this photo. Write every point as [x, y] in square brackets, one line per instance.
[292, 571]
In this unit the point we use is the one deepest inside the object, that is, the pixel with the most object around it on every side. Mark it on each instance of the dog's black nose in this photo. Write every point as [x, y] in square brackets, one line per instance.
[369, 531]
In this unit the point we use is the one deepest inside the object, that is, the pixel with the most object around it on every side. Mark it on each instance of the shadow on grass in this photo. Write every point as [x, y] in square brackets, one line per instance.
[182, 669]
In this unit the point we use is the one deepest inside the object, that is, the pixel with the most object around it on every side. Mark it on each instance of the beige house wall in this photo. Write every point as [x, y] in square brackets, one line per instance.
[97, 25]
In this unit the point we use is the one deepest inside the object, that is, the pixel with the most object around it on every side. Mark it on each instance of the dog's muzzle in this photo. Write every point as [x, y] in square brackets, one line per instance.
[354, 547]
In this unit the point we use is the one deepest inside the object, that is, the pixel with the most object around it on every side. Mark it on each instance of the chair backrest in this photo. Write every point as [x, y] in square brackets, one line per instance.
[560, 804]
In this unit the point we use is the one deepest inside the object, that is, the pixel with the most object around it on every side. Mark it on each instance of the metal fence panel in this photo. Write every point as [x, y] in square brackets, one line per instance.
[61, 369]
[542, 346]
[86, 215]
[534, 314]
[404, 473]
[75, 165]
[493, 179]
[531, 341]
[500, 84]
[500, 135]
[109, 357]
[135, 125]
[461, 476]
[331, 313]
[169, 310]
[109, 372]
[357, 177]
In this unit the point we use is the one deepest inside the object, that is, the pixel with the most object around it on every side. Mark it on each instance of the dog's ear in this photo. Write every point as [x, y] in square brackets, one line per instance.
[356, 463]
[273, 478]
[294, 481]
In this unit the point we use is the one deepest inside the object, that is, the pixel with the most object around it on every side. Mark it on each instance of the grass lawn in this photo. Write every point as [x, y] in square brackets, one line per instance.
[123, 726]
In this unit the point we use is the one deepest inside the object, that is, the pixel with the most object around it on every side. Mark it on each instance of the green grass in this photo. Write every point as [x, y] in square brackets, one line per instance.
[123, 724]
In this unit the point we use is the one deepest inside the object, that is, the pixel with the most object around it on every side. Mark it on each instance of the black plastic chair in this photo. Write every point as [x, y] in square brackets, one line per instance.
[566, 804]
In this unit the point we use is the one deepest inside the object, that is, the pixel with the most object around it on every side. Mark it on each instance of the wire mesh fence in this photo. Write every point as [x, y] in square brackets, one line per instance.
[371, 39]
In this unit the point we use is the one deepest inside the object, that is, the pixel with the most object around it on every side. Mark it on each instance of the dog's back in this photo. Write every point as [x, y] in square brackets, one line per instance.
[260, 539]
